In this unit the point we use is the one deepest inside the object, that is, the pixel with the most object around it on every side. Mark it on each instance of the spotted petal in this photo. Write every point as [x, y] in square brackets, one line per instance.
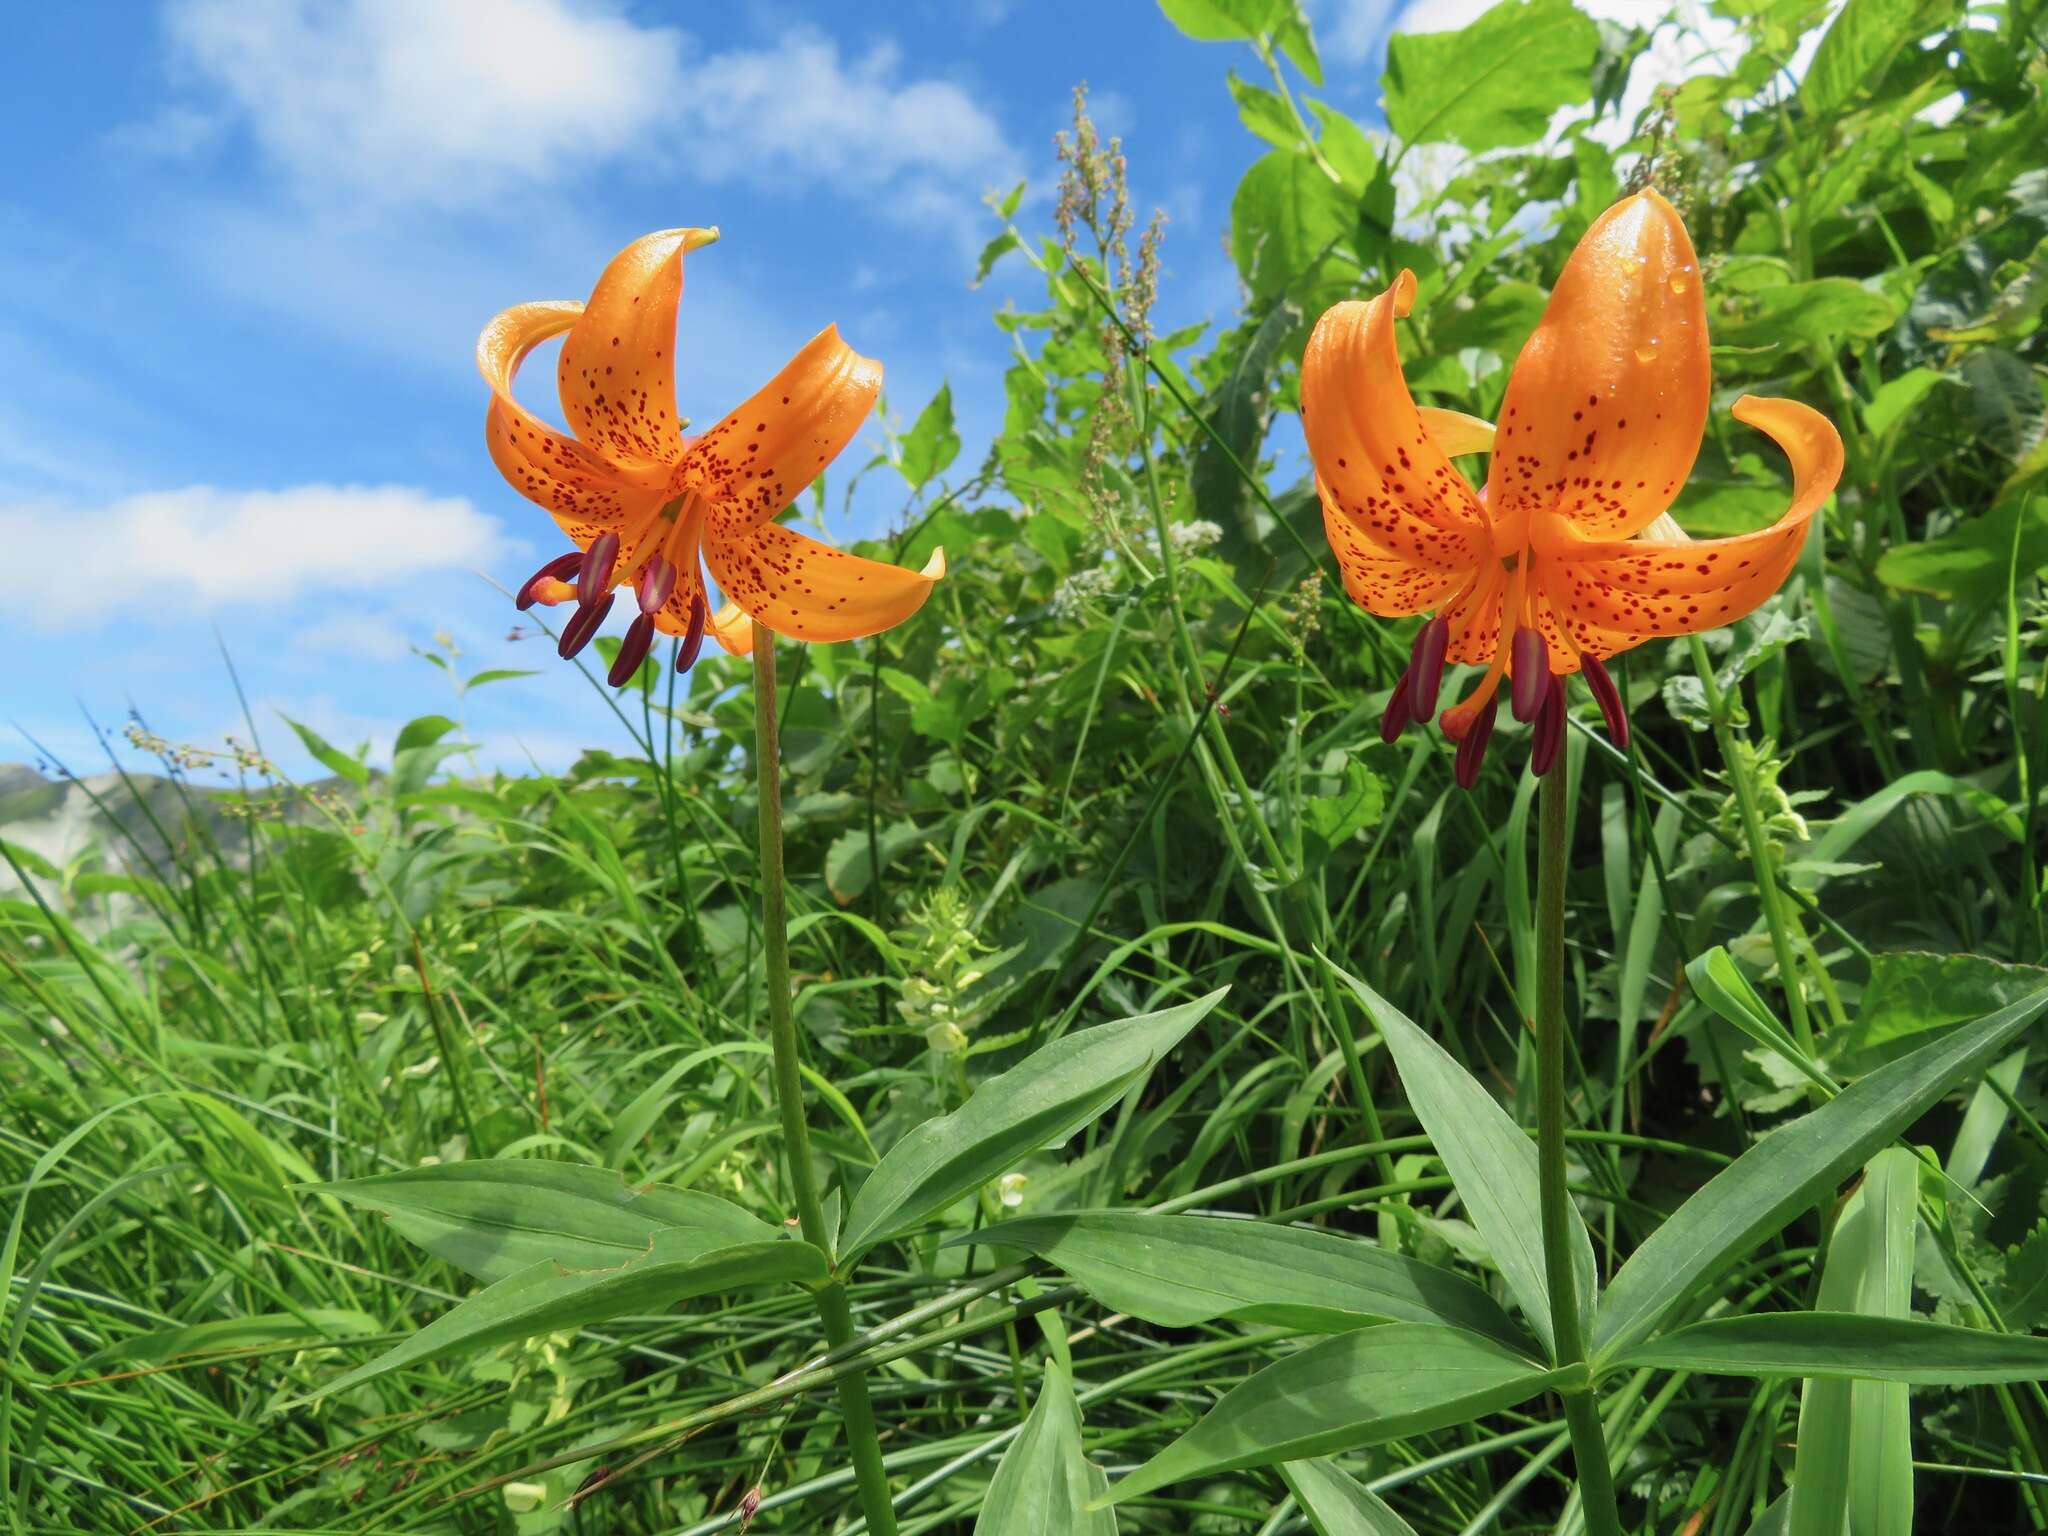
[758, 460]
[810, 591]
[1643, 588]
[1378, 462]
[618, 368]
[1605, 406]
[585, 492]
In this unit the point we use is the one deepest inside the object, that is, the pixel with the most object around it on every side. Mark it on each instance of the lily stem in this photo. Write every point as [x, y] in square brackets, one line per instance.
[1581, 1409]
[833, 1310]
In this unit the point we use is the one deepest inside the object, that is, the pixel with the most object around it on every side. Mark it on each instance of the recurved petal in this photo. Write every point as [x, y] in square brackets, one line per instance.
[586, 493]
[1455, 432]
[1374, 454]
[733, 630]
[1646, 588]
[618, 368]
[1475, 616]
[1605, 406]
[757, 461]
[1378, 582]
[811, 591]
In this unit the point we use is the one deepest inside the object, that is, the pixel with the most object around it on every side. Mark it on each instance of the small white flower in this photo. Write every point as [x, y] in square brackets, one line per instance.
[1010, 1189]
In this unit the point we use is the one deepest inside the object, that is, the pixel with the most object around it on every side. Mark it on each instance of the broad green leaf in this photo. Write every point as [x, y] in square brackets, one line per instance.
[1860, 46]
[1719, 983]
[1285, 216]
[315, 1325]
[933, 441]
[423, 731]
[1850, 1447]
[1494, 83]
[1178, 1271]
[1224, 21]
[1822, 314]
[1972, 559]
[1846, 1345]
[547, 1298]
[1333, 820]
[1490, 1160]
[495, 1217]
[498, 675]
[1911, 992]
[849, 869]
[1787, 1170]
[1038, 1103]
[330, 757]
[1241, 411]
[1338, 1504]
[1044, 1483]
[1263, 113]
[1360, 1388]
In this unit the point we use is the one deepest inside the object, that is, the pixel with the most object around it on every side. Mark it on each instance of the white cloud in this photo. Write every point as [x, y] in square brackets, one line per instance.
[364, 636]
[451, 100]
[205, 548]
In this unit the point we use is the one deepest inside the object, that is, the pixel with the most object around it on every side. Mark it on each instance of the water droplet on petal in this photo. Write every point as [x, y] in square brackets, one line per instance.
[1680, 285]
[1647, 352]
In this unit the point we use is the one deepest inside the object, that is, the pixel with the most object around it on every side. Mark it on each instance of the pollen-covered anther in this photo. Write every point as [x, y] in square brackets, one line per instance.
[596, 577]
[1529, 662]
[1472, 744]
[1399, 713]
[1426, 666]
[577, 632]
[550, 584]
[633, 651]
[657, 581]
[1612, 710]
[693, 635]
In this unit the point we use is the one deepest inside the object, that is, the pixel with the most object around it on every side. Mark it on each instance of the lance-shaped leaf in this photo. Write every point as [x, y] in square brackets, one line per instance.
[1358, 1388]
[497, 1216]
[1787, 1170]
[1178, 1271]
[1044, 1484]
[1038, 1103]
[1845, 1345]
[547, 1298]
[1489, 1158]
[1338, 1504]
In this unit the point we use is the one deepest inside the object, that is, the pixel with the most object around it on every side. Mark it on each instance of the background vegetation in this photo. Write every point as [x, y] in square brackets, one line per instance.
[1126, 755]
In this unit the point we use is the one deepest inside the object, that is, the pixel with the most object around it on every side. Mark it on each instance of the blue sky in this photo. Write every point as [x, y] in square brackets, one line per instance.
[246, 247]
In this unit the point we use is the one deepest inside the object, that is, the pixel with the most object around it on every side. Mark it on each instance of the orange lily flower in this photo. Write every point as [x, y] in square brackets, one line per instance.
[1566, 557]
[643, 503]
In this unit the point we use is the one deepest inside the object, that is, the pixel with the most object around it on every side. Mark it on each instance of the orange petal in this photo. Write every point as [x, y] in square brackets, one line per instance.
[1376, 458]
[1475, 618]
[617, 373]
[1646, 588]
[586, 494]
[757, 461]
[1377, 581]
[733, 630]
[1455, 432]
[811, 591]
[1606, 404]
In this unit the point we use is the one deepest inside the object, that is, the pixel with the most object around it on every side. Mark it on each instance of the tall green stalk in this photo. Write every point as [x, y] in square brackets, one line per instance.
[1581, 1410]
[833, 1310]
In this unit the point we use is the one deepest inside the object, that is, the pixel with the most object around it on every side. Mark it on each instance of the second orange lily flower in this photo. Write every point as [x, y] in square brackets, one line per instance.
[1552, 568]
[643, 503]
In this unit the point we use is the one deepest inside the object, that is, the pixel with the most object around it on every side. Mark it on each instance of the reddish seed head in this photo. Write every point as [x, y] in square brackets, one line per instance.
[561, 568]
[597, 568]
[1472, 749]
[1531, 680]
[657, 581]
[1601, 685]
[693, 637]
[639, 636]
[1426, 666]
[1549, 735]
[577, 632]
[1398, 714]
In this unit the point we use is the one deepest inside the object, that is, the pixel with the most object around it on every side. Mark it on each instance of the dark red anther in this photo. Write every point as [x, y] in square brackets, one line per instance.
[1426, 667]
[693, 637]
[1530, 661]
[596, 577]
[639, 636]
[1398, 714]
[577, 632]
[1472, 750]
[657, 581]
[1549, 733]
[1612, 710]
[561, 568]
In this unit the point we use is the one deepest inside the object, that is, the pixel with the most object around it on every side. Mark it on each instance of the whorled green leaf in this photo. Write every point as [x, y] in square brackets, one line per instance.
[1490, 1160]
[1338, 1504]
[1844, 1345]
[1494, 83]
[1044, 1484]
[1178, 1271]
[1360, 1388]
[497, 1216]
[1040, 1102]
[1784, 1172]
[547, 1297]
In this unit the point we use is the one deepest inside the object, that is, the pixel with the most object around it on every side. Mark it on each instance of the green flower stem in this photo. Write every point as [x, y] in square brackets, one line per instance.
[1581, 1409]
[1782, 945]
[833, 1310]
